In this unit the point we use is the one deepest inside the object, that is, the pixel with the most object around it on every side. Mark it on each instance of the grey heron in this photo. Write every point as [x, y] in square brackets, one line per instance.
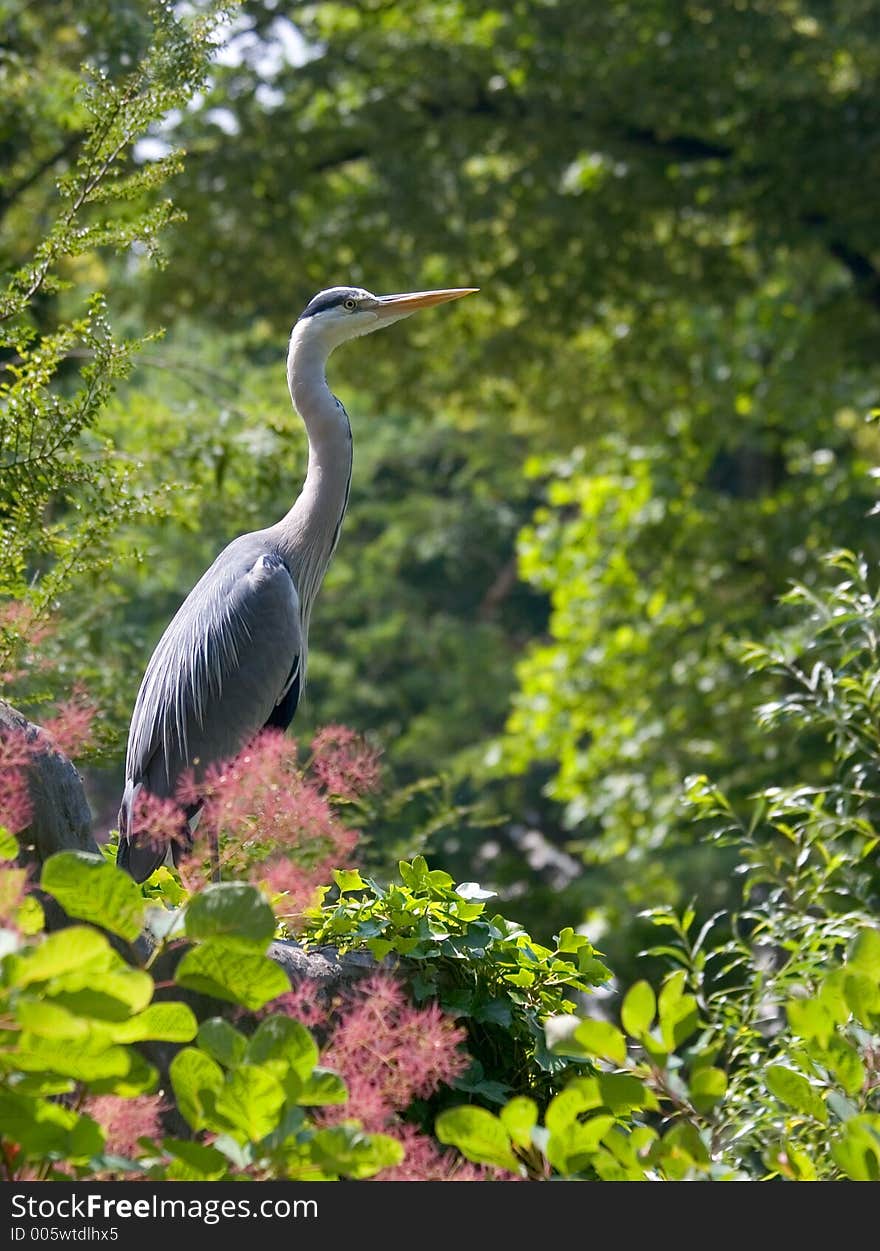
[233, 659]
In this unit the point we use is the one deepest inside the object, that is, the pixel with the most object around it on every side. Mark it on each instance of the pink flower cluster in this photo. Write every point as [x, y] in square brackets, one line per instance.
[390, 1052]
[70, 731]
[124, 1121]
[274, 825]
[344, 764]
[16, 754]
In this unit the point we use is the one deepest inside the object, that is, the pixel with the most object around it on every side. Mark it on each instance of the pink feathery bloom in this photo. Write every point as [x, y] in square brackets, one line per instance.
[262, 801]
[70, 730]
[124, 1121]
[18, 619]
[158, 822]
[16, 755]
[344, 762]
[303, 1003]
[391, 1051]
[280, 876]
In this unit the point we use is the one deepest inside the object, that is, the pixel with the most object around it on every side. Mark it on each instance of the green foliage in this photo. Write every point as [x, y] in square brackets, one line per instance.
[74, 1010]
[481, 968]
[64, 488]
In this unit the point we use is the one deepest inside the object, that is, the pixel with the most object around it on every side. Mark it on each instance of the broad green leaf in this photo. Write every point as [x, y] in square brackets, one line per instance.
[160, 1022]
[844, 1062]
[707, 1086]
[92, 889]
[228, 971]
[281, 1038]
[863, 996]
[348, 879]
[321, 1087]
[864, 954]
[251, 1100]
[85, 1059]
[809, 1018]
[601, 1038]
[8, 844]
[679, 1018]
[140, 1079]
[795, 1092]
[350, 1153]
[233, 911]
[519, 1117]
[49, 1020]
[222, 1041]
[571, 1148]
[107, 994]
[66, 950]
[857, 1151]
[30, 918]
[638, 1009]
[196, 1080]
[202, 1160]
[478, 1135]
[41, 1128]
[618, 1092]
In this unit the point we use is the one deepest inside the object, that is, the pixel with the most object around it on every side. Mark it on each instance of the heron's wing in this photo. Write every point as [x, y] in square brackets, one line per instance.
[227, 664]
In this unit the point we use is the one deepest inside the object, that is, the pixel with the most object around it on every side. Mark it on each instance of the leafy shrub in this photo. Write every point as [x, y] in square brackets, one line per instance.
[759, 1056]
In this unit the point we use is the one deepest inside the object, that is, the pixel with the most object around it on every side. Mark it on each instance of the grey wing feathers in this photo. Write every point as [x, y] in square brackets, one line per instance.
[229, 656]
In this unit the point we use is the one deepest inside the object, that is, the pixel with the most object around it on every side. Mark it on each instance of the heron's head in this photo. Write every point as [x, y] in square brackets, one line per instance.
[343, 313]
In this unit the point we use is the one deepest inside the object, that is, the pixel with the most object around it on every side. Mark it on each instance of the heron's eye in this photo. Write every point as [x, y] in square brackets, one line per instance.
[350, 304]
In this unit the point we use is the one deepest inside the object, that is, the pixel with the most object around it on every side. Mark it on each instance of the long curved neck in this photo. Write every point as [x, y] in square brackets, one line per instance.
[308, 534]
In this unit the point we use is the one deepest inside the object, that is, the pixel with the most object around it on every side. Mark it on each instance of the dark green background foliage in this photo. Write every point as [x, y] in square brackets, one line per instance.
[576, 494]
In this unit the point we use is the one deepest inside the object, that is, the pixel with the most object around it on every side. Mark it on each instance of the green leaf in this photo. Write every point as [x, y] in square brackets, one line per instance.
[795, 1092]
[228, 971]
[160, 1022]
[196, 1080]
[570, 1149]
[8, 844]
[601, 1038]
[638, 1008]
[707, 1086]
[251, 1100]
[140, 1079]
[863, 997]
[49, 1020]
[201, 1160]
[347, 1152]
[478, 1135]
[69, 949]
[92, 889]
[234, 911]
[321, 1087]
[281, 1038]
[679, 1018]
[864, 954]
[857, 1151]
[809, 1019]
[107, 994]
[222, 1041]
[85, 1059]
[844, 1062]
[42, 1128]
[519, 1117]
[348, 879]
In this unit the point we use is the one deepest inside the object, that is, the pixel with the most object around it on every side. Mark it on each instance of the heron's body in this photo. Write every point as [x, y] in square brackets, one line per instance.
[233, 659]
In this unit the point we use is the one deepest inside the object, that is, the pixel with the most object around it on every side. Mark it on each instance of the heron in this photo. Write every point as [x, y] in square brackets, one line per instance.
[233, 659]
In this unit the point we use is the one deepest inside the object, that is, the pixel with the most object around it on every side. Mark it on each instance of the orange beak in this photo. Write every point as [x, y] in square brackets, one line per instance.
[400, 305]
